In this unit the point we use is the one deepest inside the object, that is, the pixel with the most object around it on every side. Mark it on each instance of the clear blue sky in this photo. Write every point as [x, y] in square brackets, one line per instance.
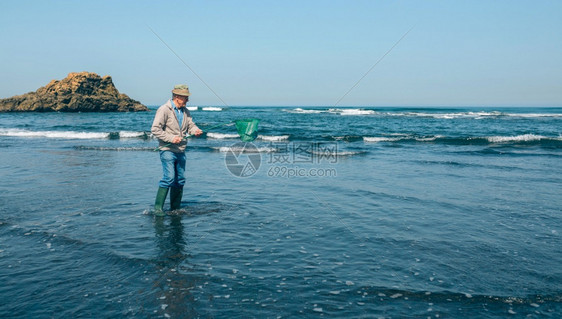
[294, 53]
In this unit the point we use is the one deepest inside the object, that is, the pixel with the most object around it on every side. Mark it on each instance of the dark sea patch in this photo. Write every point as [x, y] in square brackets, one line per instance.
[509, 151]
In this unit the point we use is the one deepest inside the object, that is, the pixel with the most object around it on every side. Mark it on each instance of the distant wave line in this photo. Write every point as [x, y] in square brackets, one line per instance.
[449, 115]
[524, 138]
[211, 108]
[528, 139]
[332, 111]
[272, 138]
[73, 134]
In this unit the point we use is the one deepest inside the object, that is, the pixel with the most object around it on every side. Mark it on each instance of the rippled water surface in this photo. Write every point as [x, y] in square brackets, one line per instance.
[349, 213]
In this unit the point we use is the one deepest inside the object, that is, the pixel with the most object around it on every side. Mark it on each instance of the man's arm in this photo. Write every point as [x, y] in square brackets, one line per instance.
[192, 129]
[158, 126]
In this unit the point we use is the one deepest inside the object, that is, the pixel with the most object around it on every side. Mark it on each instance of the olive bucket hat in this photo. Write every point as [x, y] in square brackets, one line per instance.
[181, 89]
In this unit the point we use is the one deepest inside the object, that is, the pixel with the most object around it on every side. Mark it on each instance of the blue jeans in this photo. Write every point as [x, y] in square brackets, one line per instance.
[173, 165]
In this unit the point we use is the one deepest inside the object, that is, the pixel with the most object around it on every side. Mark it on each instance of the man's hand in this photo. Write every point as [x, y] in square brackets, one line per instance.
[176, 140]
[198, 132]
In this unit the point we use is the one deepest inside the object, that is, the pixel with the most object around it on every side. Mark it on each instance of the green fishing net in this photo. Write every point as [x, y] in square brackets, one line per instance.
[247, 129]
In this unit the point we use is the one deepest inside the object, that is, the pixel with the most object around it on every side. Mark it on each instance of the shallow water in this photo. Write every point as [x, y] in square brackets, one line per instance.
[442, 213]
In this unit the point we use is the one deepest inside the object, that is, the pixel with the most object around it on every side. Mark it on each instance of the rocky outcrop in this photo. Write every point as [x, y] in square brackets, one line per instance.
[78, 92]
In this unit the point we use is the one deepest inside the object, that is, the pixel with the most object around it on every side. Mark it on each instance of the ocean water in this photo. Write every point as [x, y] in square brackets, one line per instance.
[344, 213]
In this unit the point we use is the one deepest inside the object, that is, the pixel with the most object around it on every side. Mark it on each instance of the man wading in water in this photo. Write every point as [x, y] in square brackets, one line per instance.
[172, 123]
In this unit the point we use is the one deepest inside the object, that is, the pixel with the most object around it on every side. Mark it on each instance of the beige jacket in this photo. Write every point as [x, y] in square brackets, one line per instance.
[166, 126]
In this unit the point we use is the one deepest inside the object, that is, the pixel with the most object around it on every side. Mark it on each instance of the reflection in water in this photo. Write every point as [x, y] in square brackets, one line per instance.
[174, 282]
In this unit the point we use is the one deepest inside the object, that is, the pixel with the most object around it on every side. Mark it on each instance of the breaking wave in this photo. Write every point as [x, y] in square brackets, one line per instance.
[54, 134]
[335, 153]
[527, 139]
[270, 138]
[273, 138]
[342, 111]
[518, 138]
[423, 114]
[131, 134]
[222, 136]
[243, 149]
[72, 134]
[351, 111]
[453, 115]
[211, 108]
[304, 111]
[470, 115]
[381, 139]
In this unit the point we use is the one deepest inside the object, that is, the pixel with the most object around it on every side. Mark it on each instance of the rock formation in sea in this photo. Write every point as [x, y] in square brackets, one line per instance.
[78, 92]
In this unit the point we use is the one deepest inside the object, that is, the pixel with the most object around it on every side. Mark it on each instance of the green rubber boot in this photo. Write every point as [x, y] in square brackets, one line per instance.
[159, 203]
[176, 194]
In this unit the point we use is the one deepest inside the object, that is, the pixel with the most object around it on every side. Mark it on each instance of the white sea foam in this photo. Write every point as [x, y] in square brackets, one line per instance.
[492, 139]
[212, 108]
[192, 108]
[448, 115]
[333, 111]
[355, 112]
[347, 153]
[273, 138]
[351, 111]
[54, 134]
[429, 139]
[220, 136]
[130, 134]
[518, 138]
[305, 111]
[380, 139]
[475, 115]
[445, 116]
[453, 115]
[237, 149]
[531, 115]
[335, 153]
[484, 114]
